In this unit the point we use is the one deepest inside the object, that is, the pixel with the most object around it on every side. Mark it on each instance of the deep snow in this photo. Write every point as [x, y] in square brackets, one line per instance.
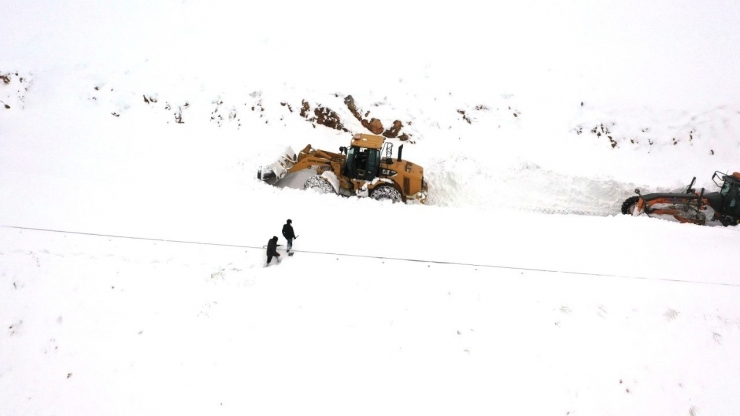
[519, 289]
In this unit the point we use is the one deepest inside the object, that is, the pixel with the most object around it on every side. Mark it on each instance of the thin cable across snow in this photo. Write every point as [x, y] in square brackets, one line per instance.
[491, 266]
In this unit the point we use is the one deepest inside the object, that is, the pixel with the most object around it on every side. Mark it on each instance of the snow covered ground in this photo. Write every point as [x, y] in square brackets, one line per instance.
[132, 132]
[113, 326]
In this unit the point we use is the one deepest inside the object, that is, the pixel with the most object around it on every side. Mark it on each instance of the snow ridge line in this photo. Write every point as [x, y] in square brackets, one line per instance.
[452, 263]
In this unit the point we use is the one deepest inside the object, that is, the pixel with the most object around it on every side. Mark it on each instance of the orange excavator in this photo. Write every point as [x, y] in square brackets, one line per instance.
[691, 206]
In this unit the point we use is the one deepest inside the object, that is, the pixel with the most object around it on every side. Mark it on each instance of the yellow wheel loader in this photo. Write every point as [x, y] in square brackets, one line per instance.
[365, 169]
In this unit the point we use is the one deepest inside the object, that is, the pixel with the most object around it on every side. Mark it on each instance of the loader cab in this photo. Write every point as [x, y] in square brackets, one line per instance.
[363, 157]
[362, 163]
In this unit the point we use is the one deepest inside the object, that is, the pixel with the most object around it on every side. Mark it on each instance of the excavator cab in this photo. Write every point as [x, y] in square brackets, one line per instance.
[730, 194]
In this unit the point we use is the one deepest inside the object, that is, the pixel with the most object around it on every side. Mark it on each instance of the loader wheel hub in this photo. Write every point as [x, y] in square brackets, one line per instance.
[318, 184]
[386, 193]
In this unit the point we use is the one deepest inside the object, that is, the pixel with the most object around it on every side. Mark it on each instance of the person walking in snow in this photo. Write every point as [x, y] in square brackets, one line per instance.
[272, 251]
[289, 234]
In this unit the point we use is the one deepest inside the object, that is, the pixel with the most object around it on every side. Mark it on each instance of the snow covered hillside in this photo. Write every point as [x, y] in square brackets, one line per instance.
[131, 278]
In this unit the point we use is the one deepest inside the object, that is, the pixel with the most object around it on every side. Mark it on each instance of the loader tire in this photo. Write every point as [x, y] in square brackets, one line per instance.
[319, 184]
[386, 193]
[629, 204]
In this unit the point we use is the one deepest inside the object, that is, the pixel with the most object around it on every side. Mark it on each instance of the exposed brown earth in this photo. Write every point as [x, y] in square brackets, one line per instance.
[374, 125]
[394, 130]
[322, 115]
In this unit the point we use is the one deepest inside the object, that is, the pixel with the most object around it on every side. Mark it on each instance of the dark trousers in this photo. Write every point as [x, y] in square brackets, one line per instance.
[269, 257]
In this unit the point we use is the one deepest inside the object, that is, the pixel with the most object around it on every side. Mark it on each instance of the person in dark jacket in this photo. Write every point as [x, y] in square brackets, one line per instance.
[272, 251]
[289, 234]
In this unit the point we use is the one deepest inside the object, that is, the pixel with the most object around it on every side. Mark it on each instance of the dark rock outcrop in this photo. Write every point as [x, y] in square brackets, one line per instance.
[394, 130]
[374, 125]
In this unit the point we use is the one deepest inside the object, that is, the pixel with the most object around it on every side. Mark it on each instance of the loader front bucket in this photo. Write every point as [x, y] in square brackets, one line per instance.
[279, 168]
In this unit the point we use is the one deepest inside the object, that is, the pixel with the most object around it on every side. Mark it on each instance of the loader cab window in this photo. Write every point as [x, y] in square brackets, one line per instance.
[361, 163]
[349, 165]
[373, 164]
